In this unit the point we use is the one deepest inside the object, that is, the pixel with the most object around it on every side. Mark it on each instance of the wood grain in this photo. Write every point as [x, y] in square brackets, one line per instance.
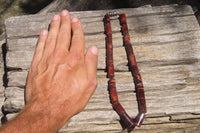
[166, 44]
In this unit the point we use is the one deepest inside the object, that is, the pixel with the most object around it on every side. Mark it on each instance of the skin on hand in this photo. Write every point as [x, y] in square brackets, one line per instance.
[62, 77]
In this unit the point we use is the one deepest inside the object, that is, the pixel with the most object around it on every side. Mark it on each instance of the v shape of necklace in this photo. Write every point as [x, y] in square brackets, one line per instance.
[127, 120]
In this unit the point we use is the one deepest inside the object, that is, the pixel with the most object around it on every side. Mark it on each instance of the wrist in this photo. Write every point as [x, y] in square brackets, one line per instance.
[29, 120]
[51, 117]
[35, 117]
[32, 116]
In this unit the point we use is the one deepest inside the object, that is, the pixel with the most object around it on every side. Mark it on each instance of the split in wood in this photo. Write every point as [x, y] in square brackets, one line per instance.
[127, 120]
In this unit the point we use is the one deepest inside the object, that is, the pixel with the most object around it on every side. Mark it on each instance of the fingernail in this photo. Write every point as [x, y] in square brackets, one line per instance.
[55, 17]
[94, 50]
[74, 20]
[64, 13]
[44, 32]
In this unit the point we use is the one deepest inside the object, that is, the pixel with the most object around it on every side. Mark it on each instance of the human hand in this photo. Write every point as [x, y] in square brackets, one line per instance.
[61, 78]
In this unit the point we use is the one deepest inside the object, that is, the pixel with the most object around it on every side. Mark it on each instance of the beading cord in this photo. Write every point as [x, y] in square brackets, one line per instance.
[129, 122]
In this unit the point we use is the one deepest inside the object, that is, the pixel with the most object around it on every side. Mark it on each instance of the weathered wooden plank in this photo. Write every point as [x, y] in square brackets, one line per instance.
[151, 124]
[184, 117]
[166, 88]
[140, 28]
[28, 27]
[178, 72]
[155, 34]
[166, 44]
[163, 124]
[176, 10]
[2, 98]
[148, 38]
[163, 127]
[166, 52]
[157, 101]
[14, 99]
[85, 17]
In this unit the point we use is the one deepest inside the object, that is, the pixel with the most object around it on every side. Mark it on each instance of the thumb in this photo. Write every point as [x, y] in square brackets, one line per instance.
[91, 60]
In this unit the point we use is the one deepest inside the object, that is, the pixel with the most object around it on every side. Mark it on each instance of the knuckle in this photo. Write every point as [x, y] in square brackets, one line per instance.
[76, 56]
[58, 57]
[73, 59]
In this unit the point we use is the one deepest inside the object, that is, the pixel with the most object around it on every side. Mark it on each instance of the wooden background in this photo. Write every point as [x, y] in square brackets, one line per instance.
[167, 48]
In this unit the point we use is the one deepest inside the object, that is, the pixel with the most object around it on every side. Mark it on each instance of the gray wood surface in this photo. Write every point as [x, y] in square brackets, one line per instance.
[2, 88]
[166, 44]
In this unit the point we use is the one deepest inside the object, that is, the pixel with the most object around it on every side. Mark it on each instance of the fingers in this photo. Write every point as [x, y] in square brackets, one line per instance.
[91, 58]
[78, 40]
[64, 35]
[59, 41]
[40, 47]
[52, 36]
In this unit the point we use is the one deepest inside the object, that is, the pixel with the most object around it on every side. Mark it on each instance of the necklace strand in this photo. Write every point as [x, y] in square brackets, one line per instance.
[129, 122]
